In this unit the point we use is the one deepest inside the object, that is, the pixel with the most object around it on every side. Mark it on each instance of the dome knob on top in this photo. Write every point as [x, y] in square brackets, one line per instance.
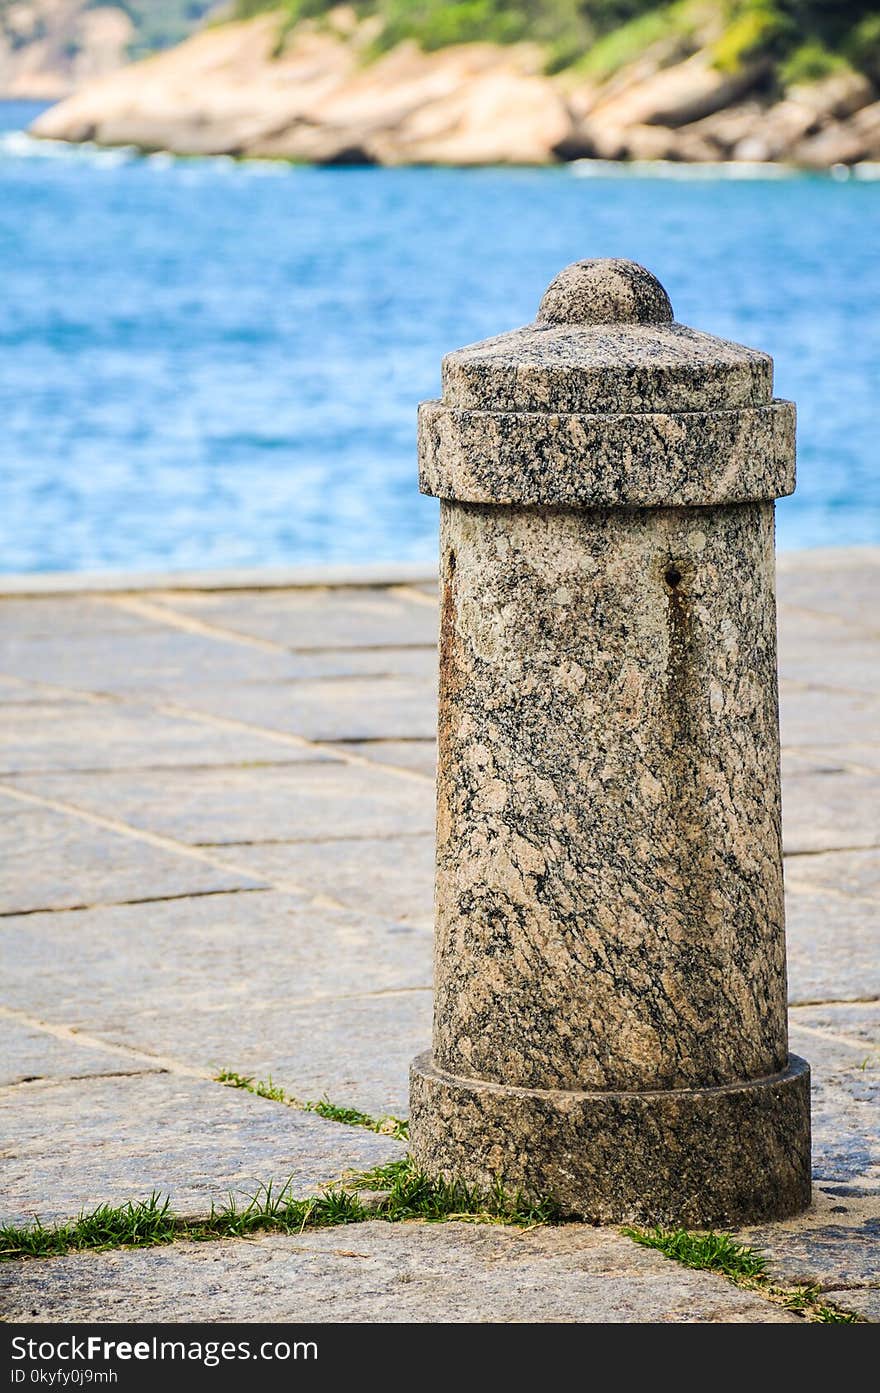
[605, 291]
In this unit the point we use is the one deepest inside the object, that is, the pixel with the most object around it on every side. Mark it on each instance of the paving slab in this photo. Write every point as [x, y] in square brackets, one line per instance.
[856, 1022]
[336, 1002]
[828, 812]
[864, 1301]
[842, 582]
[354, 1050]
[826, 650]
[52, 860]
[828, 1254]
[151, 658]
[847, 872]
[85, 736]
[316, 664]
[833, 943]
[834, 1246]
[389, 876]
[234, 955]
[15, 692]
[823, 717]
[28, 1053]
[73, 1146]
[222, 807]
[71, 615]
[419, 755]
[362, 708]
[387, 1273]
[846, 1097]
[315, 618]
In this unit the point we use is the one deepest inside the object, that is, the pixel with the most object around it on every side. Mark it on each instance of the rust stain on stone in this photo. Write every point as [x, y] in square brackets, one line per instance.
[449, 683]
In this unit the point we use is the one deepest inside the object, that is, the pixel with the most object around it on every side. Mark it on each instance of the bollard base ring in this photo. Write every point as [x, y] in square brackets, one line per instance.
[732, 1154]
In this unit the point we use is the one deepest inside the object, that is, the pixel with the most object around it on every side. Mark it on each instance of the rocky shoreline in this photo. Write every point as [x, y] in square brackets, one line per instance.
[228, 91]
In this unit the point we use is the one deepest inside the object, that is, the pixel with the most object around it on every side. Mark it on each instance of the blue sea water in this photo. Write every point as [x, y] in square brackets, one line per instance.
[208, 363]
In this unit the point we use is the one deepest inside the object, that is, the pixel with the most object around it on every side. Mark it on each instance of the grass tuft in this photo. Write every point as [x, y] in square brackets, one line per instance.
[405, 1193]
[399, 1192]
[387, 1126]
[718, 1252]
[712, 1252]
[138, 1224]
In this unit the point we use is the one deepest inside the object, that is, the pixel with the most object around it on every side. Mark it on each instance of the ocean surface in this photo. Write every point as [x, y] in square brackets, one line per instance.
[205, 363]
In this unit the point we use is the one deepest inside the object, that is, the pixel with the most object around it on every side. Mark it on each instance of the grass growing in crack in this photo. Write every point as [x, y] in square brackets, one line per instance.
[262, 1089]
[139, 1224]
[718, 1252]
[387, 1126]
[807, 1301]
[405, 1193]
[713, 1252]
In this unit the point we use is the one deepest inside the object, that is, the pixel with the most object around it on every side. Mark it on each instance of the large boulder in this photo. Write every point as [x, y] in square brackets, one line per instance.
[677, 95]
[843, 142]
[804, 112]
[227, 91]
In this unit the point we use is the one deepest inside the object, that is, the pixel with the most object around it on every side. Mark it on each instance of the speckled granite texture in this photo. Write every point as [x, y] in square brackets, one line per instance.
[609, 891]
[610, 291]
[609, 913]
[611, 368]
[654, 460]
[688, 1156]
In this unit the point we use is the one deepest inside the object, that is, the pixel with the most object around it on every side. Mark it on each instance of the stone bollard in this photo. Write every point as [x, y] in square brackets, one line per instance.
[610, 1017]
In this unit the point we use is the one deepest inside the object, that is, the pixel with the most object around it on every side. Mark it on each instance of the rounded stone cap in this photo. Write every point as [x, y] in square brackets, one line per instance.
[606, 291]
[605, 342]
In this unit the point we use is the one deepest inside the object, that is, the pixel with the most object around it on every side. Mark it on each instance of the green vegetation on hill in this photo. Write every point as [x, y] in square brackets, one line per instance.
[804, 39]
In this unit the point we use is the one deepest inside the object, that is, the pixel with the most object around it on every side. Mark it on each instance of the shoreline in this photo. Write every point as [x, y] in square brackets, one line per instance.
[27, 584]
[22, 143]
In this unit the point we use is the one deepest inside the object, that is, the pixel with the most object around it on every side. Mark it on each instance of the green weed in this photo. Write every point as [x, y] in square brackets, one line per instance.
[387, 1126]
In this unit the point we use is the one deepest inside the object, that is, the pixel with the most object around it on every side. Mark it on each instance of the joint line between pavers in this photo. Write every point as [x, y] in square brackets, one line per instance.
[866, 1047]
[179, 848]
[794, 684]
[145, 899]
[324, 747]
[168, 768]
[161, 612]
[323, 841]
[51, 1080]
[837, 1001]
[829, 850]
[418, 597]
[77, 693]
[69, 1035]
[173, 619]
[843, 621]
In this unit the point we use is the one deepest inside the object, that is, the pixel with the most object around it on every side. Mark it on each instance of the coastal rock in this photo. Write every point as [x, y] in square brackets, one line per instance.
[843, 142]
[49, 47]
[321, 96]
[469, 104]
[677, 95]
[779, 132]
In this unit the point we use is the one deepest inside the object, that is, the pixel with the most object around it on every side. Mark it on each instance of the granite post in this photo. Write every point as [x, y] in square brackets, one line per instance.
[610, 1018]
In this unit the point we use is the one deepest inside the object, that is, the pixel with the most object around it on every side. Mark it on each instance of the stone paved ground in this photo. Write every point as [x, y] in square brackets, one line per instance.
[215, 815]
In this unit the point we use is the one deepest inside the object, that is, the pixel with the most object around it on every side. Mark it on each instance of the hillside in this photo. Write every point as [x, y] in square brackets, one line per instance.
[425, 81]
[50, 47]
